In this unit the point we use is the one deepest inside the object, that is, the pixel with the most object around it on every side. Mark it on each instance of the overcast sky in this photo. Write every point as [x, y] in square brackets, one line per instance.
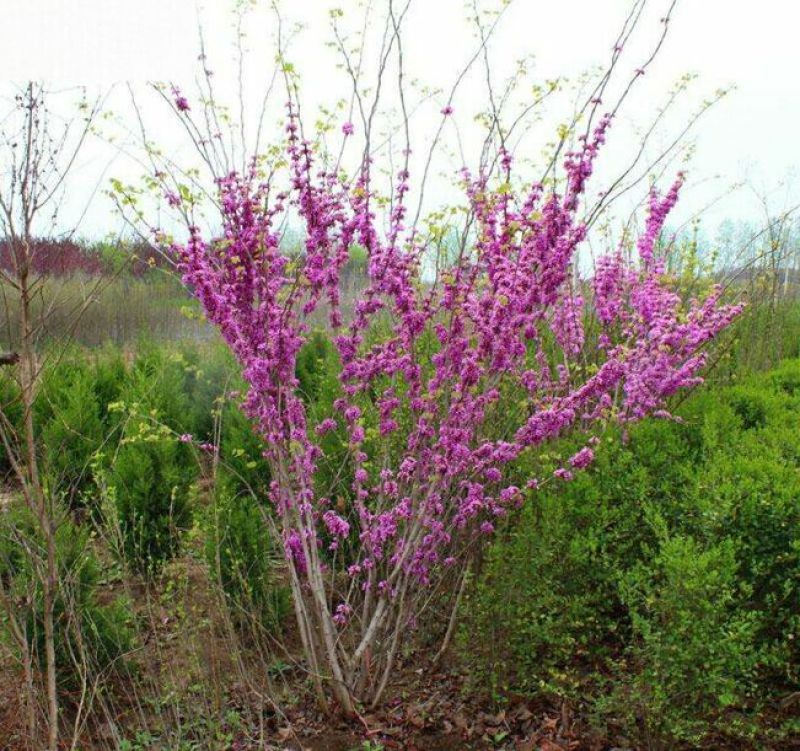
[752, 134]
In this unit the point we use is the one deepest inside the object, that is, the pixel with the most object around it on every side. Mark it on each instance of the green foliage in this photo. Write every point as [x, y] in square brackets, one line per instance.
[110, 375]
[149, 475]
[314, 365]
[318, 372]
[71, 419]
[71, 435]
[692, 649]
[661, 586]
[786, 377]
[89, 635]
[158, 383]
[148, 484]
[242, 467]
[207, 374]
[750, 406]
[240, 550]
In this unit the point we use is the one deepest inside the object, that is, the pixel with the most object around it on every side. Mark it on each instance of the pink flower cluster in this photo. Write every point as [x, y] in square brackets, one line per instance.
[492, 313]
[180, 101]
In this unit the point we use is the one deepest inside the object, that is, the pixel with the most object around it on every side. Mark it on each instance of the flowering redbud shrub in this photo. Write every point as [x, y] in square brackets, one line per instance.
[429, 478]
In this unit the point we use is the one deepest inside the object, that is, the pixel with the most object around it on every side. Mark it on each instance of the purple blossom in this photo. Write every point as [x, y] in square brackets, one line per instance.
[342, 614]
[583, 458]
[326, 426]
[181, 102]
[173, 199]
[337, 526]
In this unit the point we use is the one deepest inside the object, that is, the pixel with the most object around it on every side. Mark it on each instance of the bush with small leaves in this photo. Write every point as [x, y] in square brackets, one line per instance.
[692, 646]
[242, 468]
[660, 587]
[209, 373]
[110, 374]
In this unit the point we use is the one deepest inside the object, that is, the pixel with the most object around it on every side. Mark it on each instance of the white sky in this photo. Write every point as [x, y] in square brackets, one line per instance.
[752, 134]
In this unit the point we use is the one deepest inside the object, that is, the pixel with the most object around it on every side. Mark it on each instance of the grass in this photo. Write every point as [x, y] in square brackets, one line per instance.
[120, 310]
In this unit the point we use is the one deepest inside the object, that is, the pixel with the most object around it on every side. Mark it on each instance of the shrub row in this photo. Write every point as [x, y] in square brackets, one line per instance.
[660, 589]
[116, 458]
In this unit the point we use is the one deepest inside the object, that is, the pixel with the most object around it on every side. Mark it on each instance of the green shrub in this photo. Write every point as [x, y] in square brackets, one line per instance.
[70, 437]
[787, 377]
[240, 550]
[313, 366]
[71, 417]
[691, 647]
[110, 375]
[531, 615]
[661, 586]
[242, 469]
[148, 483]
[318, 369]
[208, 373]
[750, 406]
[158, 383]
[752, 497]
[88, 634]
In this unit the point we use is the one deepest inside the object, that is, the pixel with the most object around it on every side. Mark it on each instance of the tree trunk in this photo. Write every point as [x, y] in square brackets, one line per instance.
[38, 499]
